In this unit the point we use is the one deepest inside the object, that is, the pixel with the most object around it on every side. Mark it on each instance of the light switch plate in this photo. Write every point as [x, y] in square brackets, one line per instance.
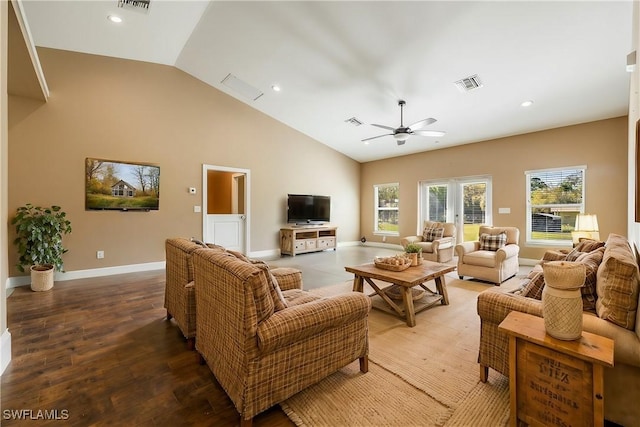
[197, 209]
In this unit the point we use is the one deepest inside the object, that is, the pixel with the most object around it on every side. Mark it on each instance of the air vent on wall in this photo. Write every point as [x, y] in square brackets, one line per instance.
[353, 121]
[469, 83]
[137, 5]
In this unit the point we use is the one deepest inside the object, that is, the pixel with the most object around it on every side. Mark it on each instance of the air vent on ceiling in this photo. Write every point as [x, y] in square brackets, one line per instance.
[353, 121]
[243, 88]
[468, 83]
[137, 5]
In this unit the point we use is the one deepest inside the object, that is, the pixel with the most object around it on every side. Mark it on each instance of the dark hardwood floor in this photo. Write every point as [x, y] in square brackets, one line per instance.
[100, 351]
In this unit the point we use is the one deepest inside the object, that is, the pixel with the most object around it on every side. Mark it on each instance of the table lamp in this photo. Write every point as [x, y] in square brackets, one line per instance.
[586, 227]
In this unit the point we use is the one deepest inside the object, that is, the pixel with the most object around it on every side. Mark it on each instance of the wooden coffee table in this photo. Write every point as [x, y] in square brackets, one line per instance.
[406, 280]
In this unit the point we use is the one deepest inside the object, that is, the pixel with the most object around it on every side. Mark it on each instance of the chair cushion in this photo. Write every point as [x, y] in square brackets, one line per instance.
[493, 242]
[481, 258]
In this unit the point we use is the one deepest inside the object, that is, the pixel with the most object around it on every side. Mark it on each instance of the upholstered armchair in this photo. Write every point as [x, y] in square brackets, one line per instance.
[436, 246]
[179, 294]
[493, 257]
[263, 346]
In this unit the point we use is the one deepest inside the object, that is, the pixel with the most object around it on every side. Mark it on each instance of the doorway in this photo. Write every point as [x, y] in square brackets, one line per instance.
[225, 201]
[466, 202]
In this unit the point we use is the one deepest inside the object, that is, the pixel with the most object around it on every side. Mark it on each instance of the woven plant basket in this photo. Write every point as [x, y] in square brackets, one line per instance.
[41, 277]
[562, 299]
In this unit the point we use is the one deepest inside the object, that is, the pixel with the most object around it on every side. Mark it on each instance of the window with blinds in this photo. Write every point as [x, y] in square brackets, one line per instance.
[554, 198]
[386, 202]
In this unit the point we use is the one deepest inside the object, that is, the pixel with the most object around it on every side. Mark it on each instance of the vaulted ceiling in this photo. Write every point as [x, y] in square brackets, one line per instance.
[336, 60]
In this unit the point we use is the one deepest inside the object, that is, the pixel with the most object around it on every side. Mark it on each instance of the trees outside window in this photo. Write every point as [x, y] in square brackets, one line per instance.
[386, 203]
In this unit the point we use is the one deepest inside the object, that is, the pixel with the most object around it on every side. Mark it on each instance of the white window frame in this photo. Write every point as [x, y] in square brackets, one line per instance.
[579, 207]
[377, 209]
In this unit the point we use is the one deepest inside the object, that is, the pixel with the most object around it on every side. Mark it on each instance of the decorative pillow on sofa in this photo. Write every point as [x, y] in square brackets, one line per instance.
[432, 234]
[617, 283]
[588, 245]
[533, 288]
[591, 262]
[492, 242]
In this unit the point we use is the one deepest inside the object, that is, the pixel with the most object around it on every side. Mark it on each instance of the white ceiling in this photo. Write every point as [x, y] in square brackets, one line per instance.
[335, 60]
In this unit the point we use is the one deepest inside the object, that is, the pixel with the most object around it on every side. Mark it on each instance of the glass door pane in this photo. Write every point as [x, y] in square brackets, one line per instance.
[472, 209]
[436, 209]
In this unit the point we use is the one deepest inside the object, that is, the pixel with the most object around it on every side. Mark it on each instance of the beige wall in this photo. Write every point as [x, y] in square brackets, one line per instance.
[134, 111]
[601, 146]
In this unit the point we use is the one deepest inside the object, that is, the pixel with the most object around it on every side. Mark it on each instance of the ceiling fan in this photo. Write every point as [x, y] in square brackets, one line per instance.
[402, 133]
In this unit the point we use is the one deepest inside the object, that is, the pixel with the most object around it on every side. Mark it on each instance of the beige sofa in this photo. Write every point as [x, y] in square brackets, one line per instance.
[616, 282]
[494, 266]
[439, 249]
[263, 345]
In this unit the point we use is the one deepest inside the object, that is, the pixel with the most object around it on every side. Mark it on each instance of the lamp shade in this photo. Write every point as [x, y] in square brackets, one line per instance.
[586, 227]
[586, 222]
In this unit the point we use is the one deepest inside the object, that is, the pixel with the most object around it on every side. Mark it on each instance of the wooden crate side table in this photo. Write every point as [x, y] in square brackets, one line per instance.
[554, 382]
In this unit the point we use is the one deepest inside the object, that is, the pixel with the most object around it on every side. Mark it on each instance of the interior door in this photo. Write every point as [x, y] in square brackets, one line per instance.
[226, 230]
[226, 195]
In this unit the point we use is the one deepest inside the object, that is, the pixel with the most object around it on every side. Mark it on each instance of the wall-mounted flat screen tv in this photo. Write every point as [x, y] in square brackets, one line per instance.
[308, 209]
[123, 186]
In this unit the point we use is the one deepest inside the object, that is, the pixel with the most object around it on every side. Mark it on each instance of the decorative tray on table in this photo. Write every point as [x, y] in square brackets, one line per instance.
[393, 263]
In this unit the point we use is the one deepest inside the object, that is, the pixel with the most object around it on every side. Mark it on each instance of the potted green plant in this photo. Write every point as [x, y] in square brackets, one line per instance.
[39, 241]
[414, 252]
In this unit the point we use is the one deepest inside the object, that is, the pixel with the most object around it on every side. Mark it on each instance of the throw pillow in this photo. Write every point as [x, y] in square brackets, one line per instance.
[588, 245]
[591, 262]
[425, 233]
[574, 255]
[198, 242]
[279, 303]
[433, 234]
[492, 242]
[617, 283]
[533, 289]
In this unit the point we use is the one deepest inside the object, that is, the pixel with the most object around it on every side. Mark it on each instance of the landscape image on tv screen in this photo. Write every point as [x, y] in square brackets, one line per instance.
[124, 186]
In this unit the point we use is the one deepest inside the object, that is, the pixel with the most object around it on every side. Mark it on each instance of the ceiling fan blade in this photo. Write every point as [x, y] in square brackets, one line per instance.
[379, 136]
[425, 132]
[422, 123]
[383, 127]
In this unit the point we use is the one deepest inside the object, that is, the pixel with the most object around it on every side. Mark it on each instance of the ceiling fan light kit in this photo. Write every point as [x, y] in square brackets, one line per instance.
[402, 133]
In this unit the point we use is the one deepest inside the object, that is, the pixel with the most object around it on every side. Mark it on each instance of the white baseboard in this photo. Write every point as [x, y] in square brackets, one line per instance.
[5, 350]
[14, 282]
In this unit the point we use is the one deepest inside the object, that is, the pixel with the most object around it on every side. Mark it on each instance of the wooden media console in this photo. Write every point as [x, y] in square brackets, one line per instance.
[301, 239]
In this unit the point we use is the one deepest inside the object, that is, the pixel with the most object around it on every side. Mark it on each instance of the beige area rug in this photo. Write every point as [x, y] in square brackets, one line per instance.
[427, 375]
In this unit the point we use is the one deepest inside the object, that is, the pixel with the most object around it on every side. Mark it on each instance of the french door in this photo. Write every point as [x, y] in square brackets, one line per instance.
[463, 201]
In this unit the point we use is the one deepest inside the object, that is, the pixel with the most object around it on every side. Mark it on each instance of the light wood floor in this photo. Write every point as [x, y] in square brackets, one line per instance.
[102, 351]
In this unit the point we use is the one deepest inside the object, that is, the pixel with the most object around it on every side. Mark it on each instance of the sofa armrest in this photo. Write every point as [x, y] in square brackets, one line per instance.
[466, 247]
[442, 243]
[507, 252]
[296, 323]
[410, 239]
[288, 278]
[495, 304]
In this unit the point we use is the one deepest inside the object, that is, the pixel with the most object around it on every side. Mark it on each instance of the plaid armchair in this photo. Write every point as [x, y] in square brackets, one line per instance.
[180, 297]
[263, 345]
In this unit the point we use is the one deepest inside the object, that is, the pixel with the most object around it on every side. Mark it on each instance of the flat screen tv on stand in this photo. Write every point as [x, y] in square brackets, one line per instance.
[307, 209]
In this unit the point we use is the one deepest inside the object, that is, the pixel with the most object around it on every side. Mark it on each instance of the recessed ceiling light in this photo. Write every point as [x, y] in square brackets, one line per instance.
[528, 103]
[276, 88]
[115, 19]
